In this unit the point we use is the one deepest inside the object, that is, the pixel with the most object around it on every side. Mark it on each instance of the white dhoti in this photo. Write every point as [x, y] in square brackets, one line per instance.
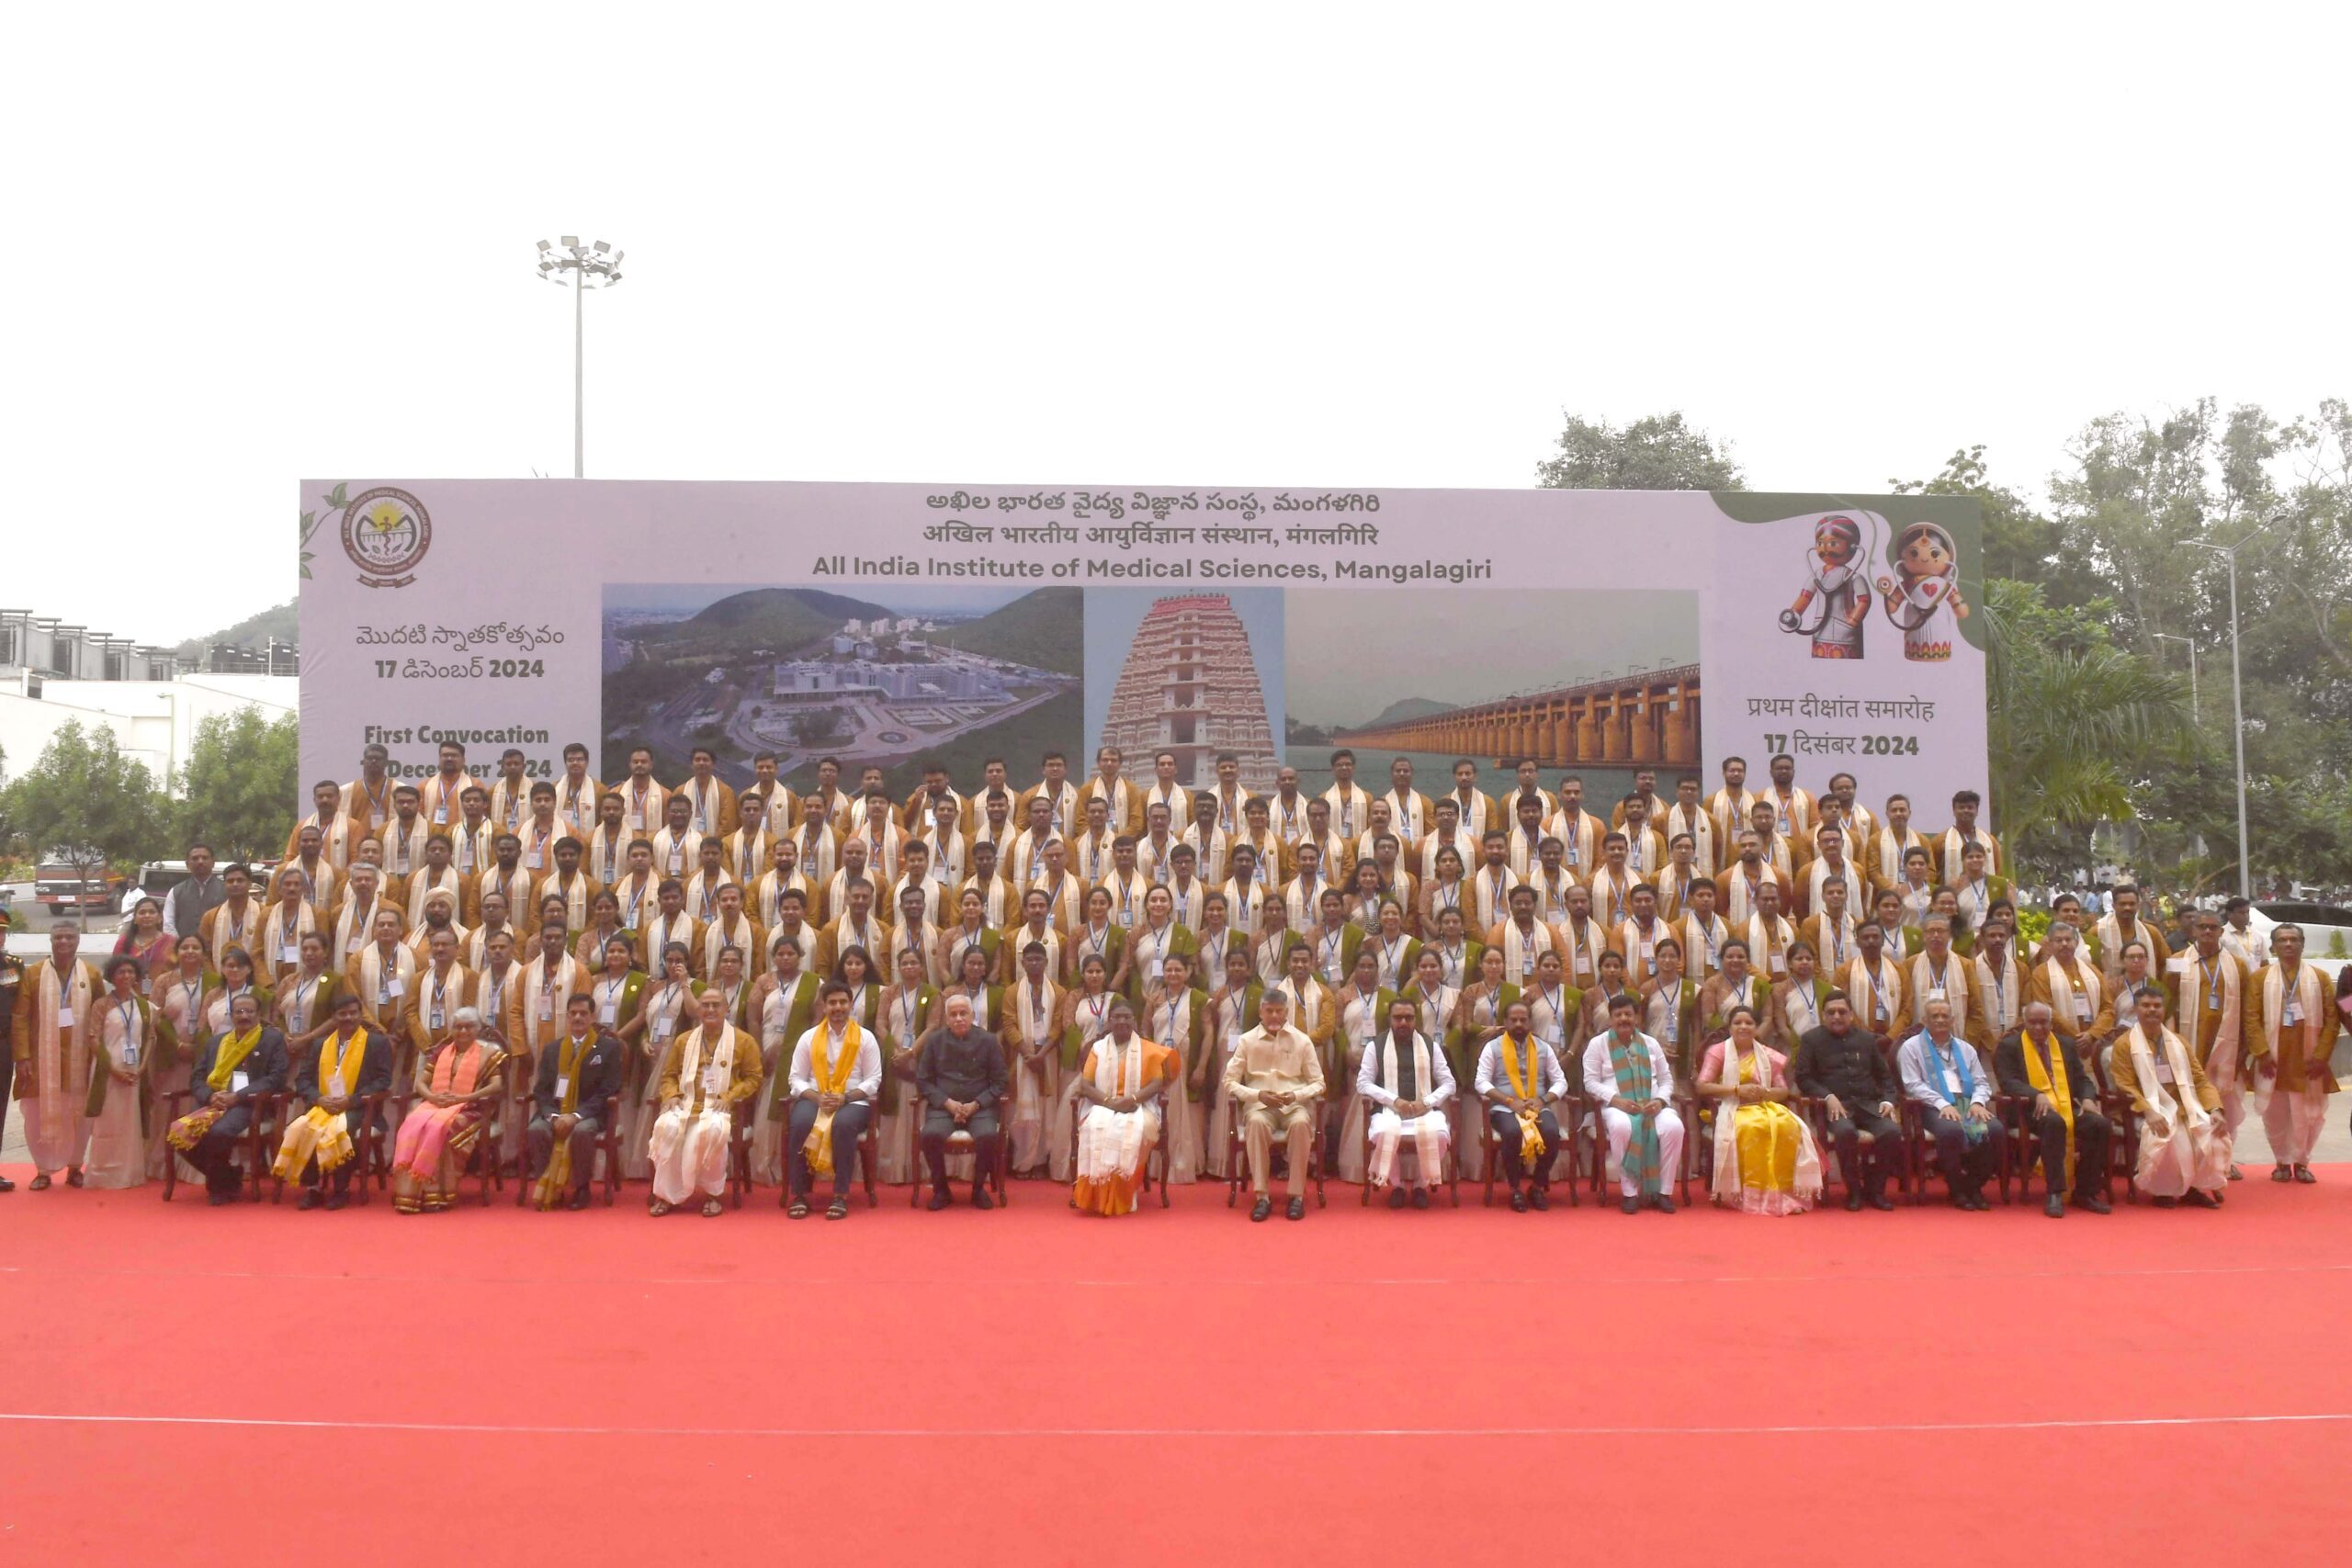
[1620, 1127]
[2176, 1157]
[1112, 1148]
[1431, 1136]
[2291, 1120]
[689, 1154]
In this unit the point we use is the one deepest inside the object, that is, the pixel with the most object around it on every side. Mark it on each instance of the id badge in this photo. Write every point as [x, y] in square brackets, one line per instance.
[130, 1054]
[441, 815]
[532, 860]
[237, 1081]
[610, 1012]
[663, 1027]
[434, 1021]
[64, 1015]
[562, 1088]
[335, 1087]
[289, 954]
[394, 988]
[547, 1007]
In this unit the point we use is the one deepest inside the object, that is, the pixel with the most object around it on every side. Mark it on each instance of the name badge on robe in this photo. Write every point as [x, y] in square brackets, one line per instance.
[1779, 963]
[636, 818]
[1936, 994]
[335, 1089]
[2294, 1014]
[2082, 1005]
[2164, 1067]
[562, 1087]
[64, 1015]
[130, 1053]
[547, 1007]
[714, 1082]
[665, 1027]
[441, 815]
[237, 1082]
[351, 944]
[609, 1011]
[1951, 1080]
[533, 860]
[394, 987]
[289, 953]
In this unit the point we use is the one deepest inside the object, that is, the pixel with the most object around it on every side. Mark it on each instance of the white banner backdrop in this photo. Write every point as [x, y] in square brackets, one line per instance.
[533, 612]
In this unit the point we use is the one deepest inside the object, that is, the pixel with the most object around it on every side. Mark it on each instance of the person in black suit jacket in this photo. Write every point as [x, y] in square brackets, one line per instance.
[577, 1075]
[260, 1074]
[2092, 1132]
[374, 1078]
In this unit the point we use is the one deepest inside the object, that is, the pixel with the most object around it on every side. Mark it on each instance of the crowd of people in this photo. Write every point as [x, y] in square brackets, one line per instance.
[1113, 980]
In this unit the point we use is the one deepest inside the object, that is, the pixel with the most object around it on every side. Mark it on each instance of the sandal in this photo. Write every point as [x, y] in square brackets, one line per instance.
[41, 1182]
[838, 1209]
[2303, 1174]
[657, 1208]
[72, 1176]
[799, 1211]
[712, 1208]
[2282, 1173]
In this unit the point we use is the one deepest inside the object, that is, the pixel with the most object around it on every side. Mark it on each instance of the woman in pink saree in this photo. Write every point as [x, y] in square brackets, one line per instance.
[457, 1084]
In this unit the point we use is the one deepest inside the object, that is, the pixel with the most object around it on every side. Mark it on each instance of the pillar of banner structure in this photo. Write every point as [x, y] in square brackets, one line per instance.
[1190, 686]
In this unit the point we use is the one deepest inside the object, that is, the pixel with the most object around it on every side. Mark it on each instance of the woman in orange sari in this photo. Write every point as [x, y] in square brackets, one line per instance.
[457, 1084]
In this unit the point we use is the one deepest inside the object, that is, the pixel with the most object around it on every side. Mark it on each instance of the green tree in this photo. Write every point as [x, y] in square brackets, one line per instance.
[817, 726]
[242, 772]
[1660, 451]
[2075, 726]
[87, 804]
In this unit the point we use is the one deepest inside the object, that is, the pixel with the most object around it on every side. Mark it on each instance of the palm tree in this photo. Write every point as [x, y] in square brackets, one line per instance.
[2074, 722]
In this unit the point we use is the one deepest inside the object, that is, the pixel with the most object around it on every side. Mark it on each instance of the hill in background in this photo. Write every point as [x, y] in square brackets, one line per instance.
[1405, 709]
[776, 618]
[1045, 627]
[253, 632]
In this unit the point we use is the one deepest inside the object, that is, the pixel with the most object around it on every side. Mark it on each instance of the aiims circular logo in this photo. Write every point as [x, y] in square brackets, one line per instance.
[386, 533]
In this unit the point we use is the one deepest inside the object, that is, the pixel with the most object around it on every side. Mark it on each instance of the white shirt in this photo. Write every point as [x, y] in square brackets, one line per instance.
[866, 1078]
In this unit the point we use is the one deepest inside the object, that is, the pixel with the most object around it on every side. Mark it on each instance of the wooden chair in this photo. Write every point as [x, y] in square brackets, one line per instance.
[368, 1154]
[958, 1141]
[2123, 1148]
[739, 1150]
[607, 1147]
[1452, 1162]
[1157, 1155]
[1237, 1156]
[258, 1144]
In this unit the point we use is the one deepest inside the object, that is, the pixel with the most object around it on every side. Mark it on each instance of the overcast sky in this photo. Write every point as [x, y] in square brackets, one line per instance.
[1258, 245]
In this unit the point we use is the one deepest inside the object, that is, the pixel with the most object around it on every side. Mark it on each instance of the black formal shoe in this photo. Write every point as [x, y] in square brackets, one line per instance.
[338, 1201]
[2054, 1206]
[1629, 1206]
[1662, 1203]
[1260, 1209]
[1420, 1197]
[1297, 1209]
[1960, 1201]
[6, 1185]
[2165, 1202]
[1882, 1202]
[578, 1201]
[311, 1198]
[2200, 1199]
[219, 1197]
[938, 1201]
[2093, 1203]
[1853, 1202]
[1399, 1197]
[1519, 1203]
[1539, 1197]
[980, 1199]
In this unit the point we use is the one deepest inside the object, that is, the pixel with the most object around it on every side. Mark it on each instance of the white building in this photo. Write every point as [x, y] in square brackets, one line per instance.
[153, 722]
[817, 681]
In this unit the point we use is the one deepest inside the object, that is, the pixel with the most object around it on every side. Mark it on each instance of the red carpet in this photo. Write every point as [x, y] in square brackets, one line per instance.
[1179, 1387]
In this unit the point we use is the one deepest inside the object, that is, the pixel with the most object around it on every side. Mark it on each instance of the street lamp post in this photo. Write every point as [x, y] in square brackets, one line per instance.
[581, 267]
[2196, 714]
[2237, 699]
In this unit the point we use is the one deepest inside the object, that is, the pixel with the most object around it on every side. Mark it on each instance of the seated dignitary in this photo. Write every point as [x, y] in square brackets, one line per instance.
[961, 1076]
[836, 1072]
[1404, 1077]
[1275, 1075]
[235, 1067]
[706, 1071]
[1944, 1076]
[2034, 1063]
[1627, 1076]
[1844, 1066]
[578, 1074]
[1519, 1080]
[2184, 1142]
[457, 1084]
[1766, 1162]
[351, 1063]
[1122, 1085]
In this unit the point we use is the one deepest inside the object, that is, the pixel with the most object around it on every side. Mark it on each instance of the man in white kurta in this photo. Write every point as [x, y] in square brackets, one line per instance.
[1627, 1074]
[708, 1071]
[1404, 1078]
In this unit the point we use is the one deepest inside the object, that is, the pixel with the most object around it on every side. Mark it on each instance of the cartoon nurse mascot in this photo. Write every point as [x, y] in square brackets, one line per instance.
[1837, 589]
[1923, 597]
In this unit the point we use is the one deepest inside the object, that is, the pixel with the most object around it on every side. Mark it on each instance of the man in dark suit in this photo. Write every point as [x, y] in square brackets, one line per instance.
[960, 1071]
[1844, 1065]
[357, 1063]
[578, 1074]
[2084, 1136]
[225, 1086]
